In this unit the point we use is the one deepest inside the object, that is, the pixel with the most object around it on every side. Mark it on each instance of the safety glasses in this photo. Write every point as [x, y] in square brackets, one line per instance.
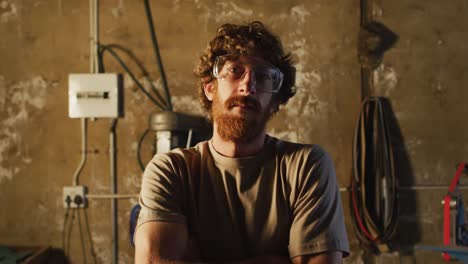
[265, 77]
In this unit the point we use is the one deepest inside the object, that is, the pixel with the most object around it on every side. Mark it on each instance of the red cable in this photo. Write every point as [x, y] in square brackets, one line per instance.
[447, 200]
[454, 183]
[356, 213]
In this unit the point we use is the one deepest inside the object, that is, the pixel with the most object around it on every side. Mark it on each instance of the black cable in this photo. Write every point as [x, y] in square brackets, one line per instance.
[138, 63]
[83, 248]
[64, 230]
[91, 243]
[124, 66]
[156, 53]
[140, 141]
[143, 70]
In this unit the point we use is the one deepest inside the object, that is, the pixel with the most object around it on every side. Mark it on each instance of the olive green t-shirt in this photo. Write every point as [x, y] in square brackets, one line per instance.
[282, 201]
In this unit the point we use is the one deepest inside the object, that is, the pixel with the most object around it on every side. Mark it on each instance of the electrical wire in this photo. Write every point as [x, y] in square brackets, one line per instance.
[140, 142]
[70, 229]
[145, 73]
[141, 67]
[373, 183]
[64, 230]
[83, 248]
[124, 66]
[88, 231]
[156, 53]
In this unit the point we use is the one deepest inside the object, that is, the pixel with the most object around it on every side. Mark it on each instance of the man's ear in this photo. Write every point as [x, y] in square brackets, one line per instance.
[209, 89]
[274, 107]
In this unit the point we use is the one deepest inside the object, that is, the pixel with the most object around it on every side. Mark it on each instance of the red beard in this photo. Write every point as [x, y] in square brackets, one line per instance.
[243, 127]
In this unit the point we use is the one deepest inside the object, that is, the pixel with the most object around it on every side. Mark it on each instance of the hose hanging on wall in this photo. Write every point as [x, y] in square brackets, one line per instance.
[374, 184]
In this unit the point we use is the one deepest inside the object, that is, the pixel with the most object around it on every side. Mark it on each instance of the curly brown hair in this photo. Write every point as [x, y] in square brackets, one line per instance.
[251, 39]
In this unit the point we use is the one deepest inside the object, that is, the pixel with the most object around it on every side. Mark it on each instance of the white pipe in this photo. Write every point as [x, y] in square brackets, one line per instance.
[112, 196]
[84, 136]
[189, 139]
[92, 56]
[96, 36]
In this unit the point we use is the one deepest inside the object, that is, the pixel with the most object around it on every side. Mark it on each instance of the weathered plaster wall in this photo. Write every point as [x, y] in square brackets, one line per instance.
[41, 42]
[424, 77]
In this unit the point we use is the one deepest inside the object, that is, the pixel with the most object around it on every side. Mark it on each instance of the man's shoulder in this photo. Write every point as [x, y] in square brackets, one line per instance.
[183, 155]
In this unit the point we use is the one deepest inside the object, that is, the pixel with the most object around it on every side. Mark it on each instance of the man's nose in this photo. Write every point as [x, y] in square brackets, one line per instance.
[248, 83]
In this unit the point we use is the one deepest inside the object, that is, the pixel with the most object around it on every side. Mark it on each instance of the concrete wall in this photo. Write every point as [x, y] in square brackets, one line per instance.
[41, 42]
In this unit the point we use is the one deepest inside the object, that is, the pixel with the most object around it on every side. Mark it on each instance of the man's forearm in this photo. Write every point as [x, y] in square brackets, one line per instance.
[255, 260]
[265, 259]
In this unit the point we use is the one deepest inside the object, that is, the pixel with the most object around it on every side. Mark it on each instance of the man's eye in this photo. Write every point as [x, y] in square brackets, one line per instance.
[263, 76]
[235, 71]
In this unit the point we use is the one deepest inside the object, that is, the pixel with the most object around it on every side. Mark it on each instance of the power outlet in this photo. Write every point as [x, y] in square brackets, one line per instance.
[75, 196]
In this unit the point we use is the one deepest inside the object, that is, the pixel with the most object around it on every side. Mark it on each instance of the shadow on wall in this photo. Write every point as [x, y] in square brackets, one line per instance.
[56, 256]
[408, 232]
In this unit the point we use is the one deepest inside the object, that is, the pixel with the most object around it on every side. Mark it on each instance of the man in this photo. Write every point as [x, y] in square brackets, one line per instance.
[243, 196]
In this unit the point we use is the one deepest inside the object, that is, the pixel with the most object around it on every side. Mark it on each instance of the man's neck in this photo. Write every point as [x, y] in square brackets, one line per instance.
[238, 149]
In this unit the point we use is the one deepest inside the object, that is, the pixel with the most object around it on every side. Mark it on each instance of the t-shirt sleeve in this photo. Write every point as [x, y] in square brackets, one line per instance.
[160, 195]
[317, 213]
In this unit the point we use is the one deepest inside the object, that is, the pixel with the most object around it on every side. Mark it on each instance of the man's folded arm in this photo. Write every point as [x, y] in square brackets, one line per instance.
[161, 242]
[165, 242]
[168, 243]
[331, 257]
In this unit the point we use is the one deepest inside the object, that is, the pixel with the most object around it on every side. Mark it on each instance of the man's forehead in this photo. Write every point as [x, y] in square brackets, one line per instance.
[249, 59]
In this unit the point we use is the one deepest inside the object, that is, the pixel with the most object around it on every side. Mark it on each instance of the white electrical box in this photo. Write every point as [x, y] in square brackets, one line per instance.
[95, 95]
[75, 196]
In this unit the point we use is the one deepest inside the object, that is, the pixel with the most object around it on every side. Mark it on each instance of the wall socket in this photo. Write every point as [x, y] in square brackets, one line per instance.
[75, 196]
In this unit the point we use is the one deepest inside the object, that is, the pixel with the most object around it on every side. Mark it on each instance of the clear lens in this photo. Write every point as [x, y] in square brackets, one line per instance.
[266, 77]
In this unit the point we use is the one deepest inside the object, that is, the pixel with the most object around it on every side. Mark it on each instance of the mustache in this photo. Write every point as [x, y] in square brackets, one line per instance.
[247, 101]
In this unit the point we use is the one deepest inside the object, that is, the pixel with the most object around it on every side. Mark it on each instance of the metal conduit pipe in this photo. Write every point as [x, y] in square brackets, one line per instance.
[94, 51]
[84, 123]
[95, 37]
[113, 182]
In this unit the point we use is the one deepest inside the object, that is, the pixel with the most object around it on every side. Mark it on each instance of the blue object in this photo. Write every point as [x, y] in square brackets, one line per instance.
[133, 221]
[460, 253]
[462, 234]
